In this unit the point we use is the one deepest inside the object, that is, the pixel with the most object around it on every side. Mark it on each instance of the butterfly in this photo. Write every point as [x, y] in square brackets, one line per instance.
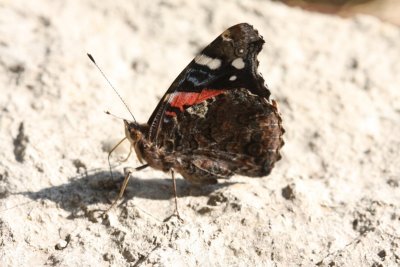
[216, 119]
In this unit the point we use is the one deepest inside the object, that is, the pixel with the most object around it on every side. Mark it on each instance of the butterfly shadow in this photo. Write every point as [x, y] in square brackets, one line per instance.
[100, 188]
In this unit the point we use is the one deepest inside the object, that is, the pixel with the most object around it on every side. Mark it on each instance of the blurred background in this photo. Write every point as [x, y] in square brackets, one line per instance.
[386, 10]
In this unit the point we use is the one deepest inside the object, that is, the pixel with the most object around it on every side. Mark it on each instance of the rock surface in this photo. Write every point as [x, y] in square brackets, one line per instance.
[333, 200]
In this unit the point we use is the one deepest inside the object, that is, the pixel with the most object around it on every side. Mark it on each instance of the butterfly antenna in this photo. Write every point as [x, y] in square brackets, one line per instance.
[105, 77]
[115, 116]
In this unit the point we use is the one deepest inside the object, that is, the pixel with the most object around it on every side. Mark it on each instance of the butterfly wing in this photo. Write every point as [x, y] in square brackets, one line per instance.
[235, 132]
[216, 119]
[229, 62]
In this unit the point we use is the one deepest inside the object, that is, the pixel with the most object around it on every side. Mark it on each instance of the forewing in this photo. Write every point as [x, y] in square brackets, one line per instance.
[228, 63]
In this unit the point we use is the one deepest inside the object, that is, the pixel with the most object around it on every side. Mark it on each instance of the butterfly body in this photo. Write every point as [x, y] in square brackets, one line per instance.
[216, 119]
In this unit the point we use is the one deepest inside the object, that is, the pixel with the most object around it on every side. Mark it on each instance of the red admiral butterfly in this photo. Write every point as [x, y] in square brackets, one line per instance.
[216, 119]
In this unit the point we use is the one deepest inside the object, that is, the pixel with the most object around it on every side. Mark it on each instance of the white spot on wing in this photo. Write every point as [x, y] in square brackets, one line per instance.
[212, 63]
[232, 78]
[238, 63]
[199, 110]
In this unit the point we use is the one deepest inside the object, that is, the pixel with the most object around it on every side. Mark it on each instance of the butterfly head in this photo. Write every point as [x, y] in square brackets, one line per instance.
[133, 131]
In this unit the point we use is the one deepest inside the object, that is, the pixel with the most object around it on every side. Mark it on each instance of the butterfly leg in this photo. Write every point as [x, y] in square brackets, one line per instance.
[124, 184]
[129, 154]
[176, 213]
[175, 195]
[111, 151]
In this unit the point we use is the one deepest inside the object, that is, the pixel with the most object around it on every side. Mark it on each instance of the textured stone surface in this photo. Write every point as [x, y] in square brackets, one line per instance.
[332, 200]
